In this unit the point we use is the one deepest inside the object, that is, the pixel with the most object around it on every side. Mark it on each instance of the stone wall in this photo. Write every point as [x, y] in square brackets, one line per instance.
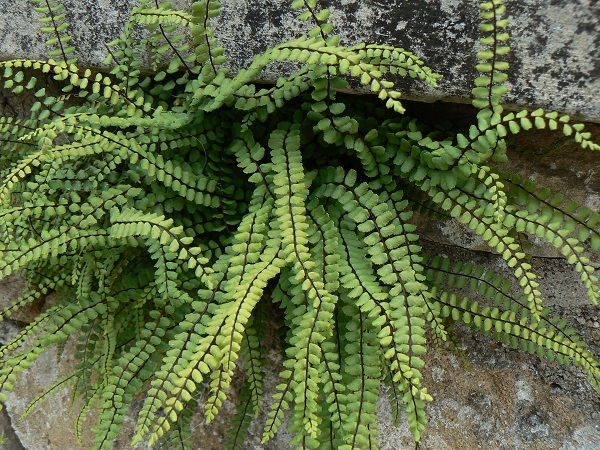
[487, 396]
[555, 57]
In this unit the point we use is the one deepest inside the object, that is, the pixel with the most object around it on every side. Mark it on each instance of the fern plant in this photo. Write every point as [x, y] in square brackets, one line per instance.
[172, 212]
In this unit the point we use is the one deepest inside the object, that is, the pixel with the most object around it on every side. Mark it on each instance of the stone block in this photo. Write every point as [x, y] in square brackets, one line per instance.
[555, 59]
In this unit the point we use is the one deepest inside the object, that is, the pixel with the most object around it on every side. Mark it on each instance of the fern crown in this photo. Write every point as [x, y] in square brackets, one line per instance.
[183, 216]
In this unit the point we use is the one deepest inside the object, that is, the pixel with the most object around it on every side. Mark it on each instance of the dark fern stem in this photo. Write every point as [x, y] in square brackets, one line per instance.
[180, 215]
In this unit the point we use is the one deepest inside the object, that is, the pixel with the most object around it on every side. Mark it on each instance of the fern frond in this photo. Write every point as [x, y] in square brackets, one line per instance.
[251, 394]
[385, 235]
[54, 23]
[546, 338]
[361, 373]
[489, 88]
[396, 61]
[317, 16]
[62, 383]
[208, 53]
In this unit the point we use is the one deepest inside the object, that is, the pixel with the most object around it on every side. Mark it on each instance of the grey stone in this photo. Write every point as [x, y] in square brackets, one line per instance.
[584, 438]
[7, 331]
[555, 59]
[8, 437]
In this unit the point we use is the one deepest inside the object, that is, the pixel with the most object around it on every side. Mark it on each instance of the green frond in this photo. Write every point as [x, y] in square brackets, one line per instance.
[54, 24]
[481, 220]
[360, 375]
[207, 49]
[545, 337]
[566, 227]
[252, 392]
[540, 119]
[233, 317]
[317, 17]
[489, 87]
[396, 61]
[313, 303]
[63, 382]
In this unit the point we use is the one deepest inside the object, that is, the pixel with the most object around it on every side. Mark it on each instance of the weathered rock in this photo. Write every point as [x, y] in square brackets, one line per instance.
[555, 58]
[9, 439]
[7, 433]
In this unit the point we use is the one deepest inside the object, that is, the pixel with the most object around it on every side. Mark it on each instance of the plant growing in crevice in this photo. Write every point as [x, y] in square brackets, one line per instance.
[169, 211]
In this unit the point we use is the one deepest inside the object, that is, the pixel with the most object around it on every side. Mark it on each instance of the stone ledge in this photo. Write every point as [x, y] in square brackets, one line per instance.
[555, 58]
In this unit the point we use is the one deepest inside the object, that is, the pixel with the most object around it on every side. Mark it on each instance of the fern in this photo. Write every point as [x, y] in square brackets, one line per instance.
[55, 25]
[173, 212]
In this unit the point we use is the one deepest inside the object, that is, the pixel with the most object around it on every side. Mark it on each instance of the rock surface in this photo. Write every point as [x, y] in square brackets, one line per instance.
[555, 57]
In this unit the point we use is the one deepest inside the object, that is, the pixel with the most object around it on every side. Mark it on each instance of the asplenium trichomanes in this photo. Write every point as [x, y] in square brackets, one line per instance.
[168, 211]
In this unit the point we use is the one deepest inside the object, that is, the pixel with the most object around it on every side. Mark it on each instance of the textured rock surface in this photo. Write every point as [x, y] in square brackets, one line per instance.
[555, 58]
[11, 440]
